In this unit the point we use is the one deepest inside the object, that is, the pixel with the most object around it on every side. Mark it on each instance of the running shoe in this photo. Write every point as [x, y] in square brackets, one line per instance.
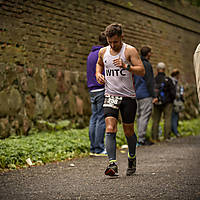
[111, 170]
[92, 154]
[131, 167]
[103, 153]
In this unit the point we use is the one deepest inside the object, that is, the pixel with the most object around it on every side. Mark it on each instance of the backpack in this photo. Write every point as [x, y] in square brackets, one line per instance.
[178, 103]
[160, 91]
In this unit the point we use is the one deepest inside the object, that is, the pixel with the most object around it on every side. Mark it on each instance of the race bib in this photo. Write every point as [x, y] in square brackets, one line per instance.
[112, 101]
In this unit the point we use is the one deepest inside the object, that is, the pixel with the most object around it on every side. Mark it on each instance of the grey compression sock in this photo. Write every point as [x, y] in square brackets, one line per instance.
[132, 140]
[111, 146]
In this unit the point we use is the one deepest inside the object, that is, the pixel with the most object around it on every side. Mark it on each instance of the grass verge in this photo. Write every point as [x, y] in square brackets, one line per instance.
[45, 147]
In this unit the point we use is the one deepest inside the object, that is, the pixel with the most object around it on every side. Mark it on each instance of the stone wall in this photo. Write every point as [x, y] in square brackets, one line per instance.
[44, 46]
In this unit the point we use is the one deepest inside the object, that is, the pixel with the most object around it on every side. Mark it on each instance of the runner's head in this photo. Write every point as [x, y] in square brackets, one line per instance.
[114, 36]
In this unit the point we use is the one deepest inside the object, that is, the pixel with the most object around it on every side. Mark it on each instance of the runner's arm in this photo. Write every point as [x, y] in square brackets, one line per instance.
[133, 57]
[137, 67]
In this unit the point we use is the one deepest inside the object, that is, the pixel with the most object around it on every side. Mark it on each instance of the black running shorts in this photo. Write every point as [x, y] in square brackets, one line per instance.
[127, 107]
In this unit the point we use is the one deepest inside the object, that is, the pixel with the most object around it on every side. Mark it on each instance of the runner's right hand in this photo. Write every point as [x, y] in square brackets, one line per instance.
[100, 78]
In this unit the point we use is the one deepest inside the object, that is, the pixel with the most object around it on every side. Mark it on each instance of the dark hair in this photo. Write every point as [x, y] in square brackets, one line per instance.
[102, 39]
[175, 72]
[145, 50]
[113, 29]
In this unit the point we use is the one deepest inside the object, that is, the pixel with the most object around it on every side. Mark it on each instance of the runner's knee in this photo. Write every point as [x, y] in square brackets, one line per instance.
[129, 133]
[128, 130]
[111, 129]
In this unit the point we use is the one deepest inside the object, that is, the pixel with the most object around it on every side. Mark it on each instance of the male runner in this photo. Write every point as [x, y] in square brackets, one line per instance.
[120, 61]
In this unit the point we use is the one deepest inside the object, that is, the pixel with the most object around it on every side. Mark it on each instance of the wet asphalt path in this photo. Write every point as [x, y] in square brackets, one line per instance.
[169, 170]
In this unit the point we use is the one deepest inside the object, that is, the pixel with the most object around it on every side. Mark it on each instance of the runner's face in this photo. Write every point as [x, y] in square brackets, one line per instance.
[115, 42]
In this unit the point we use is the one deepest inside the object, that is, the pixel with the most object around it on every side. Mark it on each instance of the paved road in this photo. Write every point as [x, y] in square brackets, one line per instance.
[169, 170]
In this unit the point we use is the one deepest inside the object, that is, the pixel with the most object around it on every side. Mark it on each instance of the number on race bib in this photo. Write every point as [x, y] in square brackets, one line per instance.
[112, 101]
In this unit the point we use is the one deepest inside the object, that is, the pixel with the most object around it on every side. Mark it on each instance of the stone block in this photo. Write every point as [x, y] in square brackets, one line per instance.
[60, 82]
[11, 76]
[52, 87]
[57, 107]
[26, 125]
[41, 81]
[39, 104]
[47, 108]
[72, 104]
[4, 108]
[44, 81]
[14, 101]
[79, 105]
[30, 85]
[30, 106]
[4, 128]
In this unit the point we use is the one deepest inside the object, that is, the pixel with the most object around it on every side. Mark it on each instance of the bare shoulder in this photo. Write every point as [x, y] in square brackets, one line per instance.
[131, 50]
[102, 52]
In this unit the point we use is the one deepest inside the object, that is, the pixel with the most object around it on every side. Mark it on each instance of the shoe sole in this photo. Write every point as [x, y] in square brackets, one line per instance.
[131, 168]
[110, 172]
[100, 155]
[130, 173]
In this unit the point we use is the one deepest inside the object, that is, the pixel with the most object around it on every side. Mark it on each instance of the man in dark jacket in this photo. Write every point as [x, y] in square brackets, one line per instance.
[97, 121]
[164, 105]
[145, 96]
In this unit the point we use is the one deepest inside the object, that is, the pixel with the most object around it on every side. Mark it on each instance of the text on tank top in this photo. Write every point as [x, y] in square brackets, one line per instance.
[118, 81]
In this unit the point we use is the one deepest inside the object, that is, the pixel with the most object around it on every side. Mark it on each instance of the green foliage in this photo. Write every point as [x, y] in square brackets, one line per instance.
[46, 147]
[185, 128]
[52, 146]
[191, 127]
[194, 2]
[43, 147]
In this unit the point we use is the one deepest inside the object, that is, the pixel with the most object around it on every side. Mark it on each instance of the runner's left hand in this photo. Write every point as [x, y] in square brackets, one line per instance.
[118, 63]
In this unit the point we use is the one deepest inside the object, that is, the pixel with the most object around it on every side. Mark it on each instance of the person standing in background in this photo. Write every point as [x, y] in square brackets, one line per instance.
[166, 93]
[96, 90]
[196, 61]
[145, 96]
[178, 104]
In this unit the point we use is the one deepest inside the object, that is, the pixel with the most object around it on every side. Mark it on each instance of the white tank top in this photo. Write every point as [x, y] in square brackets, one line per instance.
[119, 82]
